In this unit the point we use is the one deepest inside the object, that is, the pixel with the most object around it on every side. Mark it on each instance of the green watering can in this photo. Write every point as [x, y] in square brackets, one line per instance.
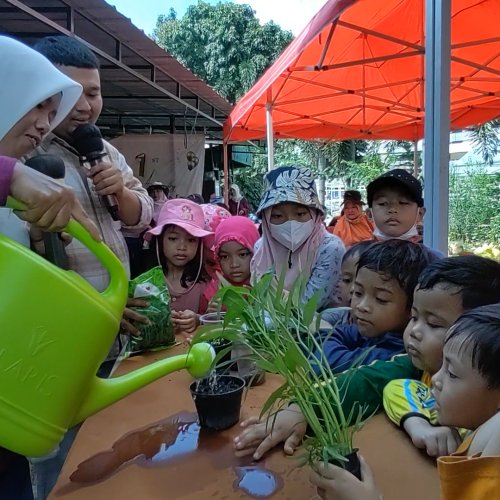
[55, 331]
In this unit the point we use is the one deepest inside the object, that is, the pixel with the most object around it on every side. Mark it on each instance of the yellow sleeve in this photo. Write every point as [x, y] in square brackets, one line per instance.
[469, 478]
[406, 397]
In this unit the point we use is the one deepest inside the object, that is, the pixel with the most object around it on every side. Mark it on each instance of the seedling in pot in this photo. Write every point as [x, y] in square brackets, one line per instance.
[280, 331]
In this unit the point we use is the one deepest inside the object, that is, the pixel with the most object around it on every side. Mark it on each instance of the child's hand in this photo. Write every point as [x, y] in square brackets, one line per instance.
[130, 315]
[437, 441]
[260, 435]
[335, 483]
[185, 322]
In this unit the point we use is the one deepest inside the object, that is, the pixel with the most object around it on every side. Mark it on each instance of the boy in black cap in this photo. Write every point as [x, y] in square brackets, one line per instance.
[396, 203]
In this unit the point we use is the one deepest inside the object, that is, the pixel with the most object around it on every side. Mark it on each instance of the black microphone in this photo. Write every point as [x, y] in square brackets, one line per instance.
[51, 166]
[87, 140]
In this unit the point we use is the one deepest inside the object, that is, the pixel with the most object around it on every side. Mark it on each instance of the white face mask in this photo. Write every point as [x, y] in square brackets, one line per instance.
[412, 232]
[292, 234]
[406, 236]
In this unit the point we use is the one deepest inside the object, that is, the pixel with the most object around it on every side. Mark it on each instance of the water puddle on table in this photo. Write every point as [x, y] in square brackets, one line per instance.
[257, 482]
[169, 442]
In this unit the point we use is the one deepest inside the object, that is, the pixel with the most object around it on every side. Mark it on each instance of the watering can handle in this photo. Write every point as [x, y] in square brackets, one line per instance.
[117, 290]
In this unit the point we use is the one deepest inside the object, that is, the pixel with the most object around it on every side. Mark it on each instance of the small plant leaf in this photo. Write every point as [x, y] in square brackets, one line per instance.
[273, 397]
[309, 309]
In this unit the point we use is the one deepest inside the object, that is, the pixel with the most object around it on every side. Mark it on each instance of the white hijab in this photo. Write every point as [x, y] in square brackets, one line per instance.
[237, 193]
[26, 79]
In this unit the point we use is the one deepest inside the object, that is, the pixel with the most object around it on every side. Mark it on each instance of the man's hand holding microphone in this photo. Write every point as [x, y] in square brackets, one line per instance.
[50, 204]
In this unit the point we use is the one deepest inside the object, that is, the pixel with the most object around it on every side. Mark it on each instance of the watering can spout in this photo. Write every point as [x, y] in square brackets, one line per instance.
[104, 392]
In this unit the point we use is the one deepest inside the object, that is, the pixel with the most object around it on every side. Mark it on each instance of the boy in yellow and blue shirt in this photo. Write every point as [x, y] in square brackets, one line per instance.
[446, 289]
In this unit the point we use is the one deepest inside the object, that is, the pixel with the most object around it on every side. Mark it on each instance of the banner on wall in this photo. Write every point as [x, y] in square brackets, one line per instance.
[174, 159]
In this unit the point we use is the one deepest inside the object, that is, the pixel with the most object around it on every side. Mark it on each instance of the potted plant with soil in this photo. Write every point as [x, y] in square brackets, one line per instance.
[280, 331]
[218, 400]
[218, 397]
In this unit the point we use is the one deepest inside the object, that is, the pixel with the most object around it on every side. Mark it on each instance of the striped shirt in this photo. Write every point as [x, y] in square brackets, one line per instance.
[81, 259]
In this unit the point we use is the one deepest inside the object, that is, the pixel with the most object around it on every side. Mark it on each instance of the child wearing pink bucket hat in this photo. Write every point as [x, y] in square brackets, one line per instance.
[179, 247]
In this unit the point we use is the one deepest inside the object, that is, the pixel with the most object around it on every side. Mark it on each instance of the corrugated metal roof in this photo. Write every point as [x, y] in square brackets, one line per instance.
[143, 86]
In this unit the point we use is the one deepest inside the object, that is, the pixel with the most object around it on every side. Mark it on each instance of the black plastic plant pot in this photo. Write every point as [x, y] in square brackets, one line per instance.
[218, 401]
[352, 465]
[224, 363]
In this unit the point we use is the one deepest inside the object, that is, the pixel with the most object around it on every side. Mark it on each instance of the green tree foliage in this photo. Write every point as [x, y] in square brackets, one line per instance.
[485, 140]
[474, 206]
[307, 153]
[363, 172]
[223, 44]
[339, 156]
[251, 184]
[402, 149]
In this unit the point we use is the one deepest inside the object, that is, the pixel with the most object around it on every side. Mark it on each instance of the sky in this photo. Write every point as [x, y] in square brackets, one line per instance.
[289, 14]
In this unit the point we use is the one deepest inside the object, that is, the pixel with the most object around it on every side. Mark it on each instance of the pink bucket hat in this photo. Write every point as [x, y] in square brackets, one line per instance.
[214, 215]
[183, 213]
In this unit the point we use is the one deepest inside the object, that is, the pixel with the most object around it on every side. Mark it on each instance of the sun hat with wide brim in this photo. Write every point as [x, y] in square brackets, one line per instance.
[291, 184]
[182, 213]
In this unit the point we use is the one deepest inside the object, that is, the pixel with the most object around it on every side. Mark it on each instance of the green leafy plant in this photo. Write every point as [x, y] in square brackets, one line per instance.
[474, 206]
[279, 331]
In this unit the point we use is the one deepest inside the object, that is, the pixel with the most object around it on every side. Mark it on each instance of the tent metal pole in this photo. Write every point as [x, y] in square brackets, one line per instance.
[226, 173]
[270, 136]
[416, 166]
[437, 122]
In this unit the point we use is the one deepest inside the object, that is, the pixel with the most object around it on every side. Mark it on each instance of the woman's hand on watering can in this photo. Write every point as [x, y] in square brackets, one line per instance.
[130, 315]
[50, 203]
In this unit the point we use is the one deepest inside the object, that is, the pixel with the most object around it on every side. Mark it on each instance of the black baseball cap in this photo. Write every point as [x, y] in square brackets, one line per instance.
[400, 179]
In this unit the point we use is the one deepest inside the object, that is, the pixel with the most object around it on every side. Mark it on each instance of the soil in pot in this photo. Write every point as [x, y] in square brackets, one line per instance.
[218, 400]
[353, 465]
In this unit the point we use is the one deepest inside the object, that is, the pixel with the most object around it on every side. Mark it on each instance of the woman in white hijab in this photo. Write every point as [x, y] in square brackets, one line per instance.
[238, 204]
[34, 98]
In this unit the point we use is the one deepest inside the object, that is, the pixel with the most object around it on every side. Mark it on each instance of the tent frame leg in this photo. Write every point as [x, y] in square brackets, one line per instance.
[437, 122]
[270, 136]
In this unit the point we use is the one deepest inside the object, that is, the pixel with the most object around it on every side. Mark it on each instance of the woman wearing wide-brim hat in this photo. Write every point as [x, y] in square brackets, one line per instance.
[294, 239]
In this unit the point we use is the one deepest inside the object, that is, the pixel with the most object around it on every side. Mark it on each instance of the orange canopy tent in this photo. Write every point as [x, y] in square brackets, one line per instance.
[357, 72]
